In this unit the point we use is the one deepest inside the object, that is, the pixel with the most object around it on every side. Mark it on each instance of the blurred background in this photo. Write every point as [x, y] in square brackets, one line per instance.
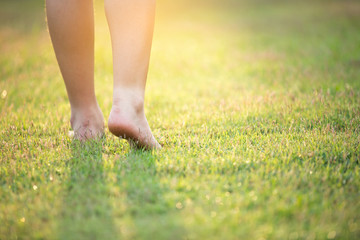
[200, 48]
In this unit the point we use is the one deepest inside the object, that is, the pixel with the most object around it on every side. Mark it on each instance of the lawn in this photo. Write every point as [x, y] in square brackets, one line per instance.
[256, 104]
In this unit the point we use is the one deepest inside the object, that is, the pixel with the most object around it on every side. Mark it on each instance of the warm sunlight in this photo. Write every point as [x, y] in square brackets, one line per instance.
[206, 119]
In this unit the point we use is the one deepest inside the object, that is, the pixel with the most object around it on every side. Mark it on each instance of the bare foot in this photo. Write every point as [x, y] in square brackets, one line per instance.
[127, 120]
[87, 123]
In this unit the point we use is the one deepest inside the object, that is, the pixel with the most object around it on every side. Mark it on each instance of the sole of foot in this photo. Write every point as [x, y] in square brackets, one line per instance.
[130, 123]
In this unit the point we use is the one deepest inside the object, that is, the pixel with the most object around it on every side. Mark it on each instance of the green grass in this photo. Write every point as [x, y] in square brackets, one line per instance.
[257, 104]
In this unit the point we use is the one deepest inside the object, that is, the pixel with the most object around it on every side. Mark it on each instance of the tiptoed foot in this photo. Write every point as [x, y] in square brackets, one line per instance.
[127, 120]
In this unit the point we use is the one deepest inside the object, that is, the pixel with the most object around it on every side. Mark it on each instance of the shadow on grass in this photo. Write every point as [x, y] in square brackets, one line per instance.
[87, 211]
[149, 209]
[109, 197]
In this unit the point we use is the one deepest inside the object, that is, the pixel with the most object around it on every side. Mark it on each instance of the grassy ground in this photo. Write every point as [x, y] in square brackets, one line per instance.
[257, 104]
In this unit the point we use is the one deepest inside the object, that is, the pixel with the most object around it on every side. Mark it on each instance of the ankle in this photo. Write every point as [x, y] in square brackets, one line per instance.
[86, 115]
[128, 98]
[90, 106]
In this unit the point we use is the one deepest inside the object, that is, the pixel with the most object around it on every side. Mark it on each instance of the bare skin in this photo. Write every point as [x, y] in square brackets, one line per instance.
[127, 120]
[71, 27]
[131, 24]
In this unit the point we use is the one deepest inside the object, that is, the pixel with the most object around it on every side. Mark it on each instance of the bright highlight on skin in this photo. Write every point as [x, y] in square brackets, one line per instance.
[71, 26]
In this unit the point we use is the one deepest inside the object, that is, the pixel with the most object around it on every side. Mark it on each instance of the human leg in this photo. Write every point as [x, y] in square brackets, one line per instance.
[131, 26]
[71, 27]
